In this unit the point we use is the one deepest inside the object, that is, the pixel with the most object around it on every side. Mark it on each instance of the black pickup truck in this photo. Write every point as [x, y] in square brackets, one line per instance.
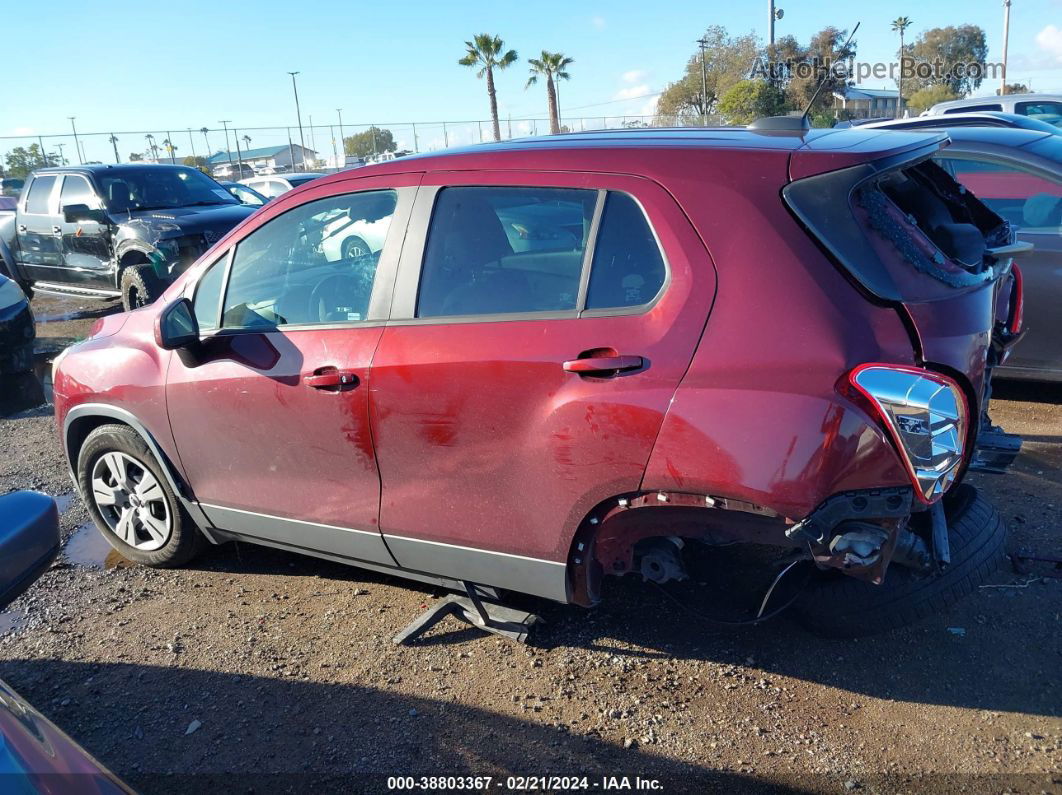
[108, 231]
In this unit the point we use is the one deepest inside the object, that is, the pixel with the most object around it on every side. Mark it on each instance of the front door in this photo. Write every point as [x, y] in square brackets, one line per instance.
[86, 245]
[271, 419]
[1032, 202]
[538, 333]
[38, 229]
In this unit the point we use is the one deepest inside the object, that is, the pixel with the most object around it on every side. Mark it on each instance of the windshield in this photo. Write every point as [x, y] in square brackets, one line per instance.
[160, 188]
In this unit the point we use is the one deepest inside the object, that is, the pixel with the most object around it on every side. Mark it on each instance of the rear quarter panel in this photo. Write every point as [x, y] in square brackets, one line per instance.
[757, 416]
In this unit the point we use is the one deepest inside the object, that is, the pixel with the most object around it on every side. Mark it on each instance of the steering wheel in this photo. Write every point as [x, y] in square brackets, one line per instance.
[337, 294]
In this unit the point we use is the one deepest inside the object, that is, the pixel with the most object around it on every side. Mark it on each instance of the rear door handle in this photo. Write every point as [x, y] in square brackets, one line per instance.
[604, 364]
[330, 378]
[22, 228]
[57, 230]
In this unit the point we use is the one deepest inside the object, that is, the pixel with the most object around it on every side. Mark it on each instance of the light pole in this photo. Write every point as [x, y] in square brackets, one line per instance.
[191, 141]
[342, 144]
[77, 144]
[1006, 36]
[228, 152]
[704, 83]
[62, 160]
[298, 115]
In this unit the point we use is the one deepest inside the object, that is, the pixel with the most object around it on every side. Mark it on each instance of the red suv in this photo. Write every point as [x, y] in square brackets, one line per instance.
[545, 361]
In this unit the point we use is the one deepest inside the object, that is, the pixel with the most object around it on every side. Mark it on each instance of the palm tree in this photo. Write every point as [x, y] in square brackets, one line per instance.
[114, 142]
[552, 66]
[900, 24]
[247, 141]
[170, 148]
[151, 145]
[485, 51]
[204, 131]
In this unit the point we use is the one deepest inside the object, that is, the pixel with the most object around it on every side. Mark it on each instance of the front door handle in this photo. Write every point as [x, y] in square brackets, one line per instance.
[57, 230]
[330, 378]
[22, 229]
[602, 365]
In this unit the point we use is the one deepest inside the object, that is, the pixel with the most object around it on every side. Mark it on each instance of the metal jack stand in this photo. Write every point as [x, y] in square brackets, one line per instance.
[488, 616]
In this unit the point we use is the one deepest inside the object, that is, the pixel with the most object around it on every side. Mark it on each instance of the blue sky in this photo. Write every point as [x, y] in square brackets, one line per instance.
[139, 66]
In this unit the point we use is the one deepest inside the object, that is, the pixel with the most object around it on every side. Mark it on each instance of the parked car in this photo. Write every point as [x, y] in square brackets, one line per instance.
[17, 330]
[35, 755]
[8, 204]
[109, 231]
[1045, 107]
[1018, 174]
[232, 171]
[245, 193]
[10, 186]
[583, 351]
[274, 185]
[954, 120]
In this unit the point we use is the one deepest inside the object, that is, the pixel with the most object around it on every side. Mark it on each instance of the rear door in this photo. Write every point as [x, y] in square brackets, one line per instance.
[1031, 199]
[515, 386]
[39, 229]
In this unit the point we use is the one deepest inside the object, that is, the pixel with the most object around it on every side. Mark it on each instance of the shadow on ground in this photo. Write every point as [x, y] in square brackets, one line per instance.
[267, 735]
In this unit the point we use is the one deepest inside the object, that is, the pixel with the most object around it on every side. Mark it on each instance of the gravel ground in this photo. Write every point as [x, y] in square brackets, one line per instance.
[266, 671]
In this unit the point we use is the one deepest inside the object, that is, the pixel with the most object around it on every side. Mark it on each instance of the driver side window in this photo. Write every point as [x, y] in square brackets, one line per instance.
[314, 264]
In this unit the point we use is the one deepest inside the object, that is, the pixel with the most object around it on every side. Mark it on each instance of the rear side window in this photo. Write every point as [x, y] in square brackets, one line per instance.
[628, 269]
[505, 250]
[39, 193]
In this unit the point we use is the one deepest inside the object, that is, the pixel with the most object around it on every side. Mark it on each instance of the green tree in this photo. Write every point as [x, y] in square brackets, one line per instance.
[485, 52]
[936, 53]
[749, 100]
[135, 157]
[900, 25]
[930, 95]
[1015, 88]
[552, 66]
[827, 54]
[369, 142]
[22, 160]
[196, 162]
[727, 60]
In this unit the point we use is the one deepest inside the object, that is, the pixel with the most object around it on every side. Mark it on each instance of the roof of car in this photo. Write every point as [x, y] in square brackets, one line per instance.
[992, 118]
[96, 168]
[958, 103]
[999, 136]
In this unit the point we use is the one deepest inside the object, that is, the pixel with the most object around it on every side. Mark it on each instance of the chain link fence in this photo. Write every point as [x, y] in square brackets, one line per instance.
[314, 147]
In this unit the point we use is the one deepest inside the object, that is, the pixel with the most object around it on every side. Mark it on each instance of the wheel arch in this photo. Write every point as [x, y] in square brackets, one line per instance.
[83, 419]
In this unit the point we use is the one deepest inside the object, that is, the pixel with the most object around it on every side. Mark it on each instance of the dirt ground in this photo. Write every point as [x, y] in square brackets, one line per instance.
[264, 671]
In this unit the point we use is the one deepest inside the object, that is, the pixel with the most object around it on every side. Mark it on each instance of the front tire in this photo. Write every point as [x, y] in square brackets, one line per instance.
[131, 502]
[140, 286]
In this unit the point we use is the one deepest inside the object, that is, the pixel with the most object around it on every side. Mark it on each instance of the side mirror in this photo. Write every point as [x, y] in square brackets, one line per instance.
[81, 213]
[176, 326]
[29, 541]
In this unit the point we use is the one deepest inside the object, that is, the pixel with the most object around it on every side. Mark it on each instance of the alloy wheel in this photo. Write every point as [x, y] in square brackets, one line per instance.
[131, 501]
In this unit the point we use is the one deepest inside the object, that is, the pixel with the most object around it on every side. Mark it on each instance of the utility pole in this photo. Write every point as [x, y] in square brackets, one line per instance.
[332, 135]
[298, 115]
[510, 125]
[40, 143]
[291, 153]
[770, 24]
[169, 140]
[239, 156]
[77, 144]
[228, 152]
[114, 143]
[372, 131]
[1006, 37]
[446, 137]
[191, 140]
[703, 41]
[416, 143]
[313, 143]
[342, 143]
[59, 146]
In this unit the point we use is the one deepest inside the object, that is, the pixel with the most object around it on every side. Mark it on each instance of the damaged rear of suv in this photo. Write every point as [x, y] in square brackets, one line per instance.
[588, 354]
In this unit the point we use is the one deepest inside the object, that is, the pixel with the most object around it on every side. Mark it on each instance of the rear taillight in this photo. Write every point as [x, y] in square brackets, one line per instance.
[1017, 302]
[926, 415]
